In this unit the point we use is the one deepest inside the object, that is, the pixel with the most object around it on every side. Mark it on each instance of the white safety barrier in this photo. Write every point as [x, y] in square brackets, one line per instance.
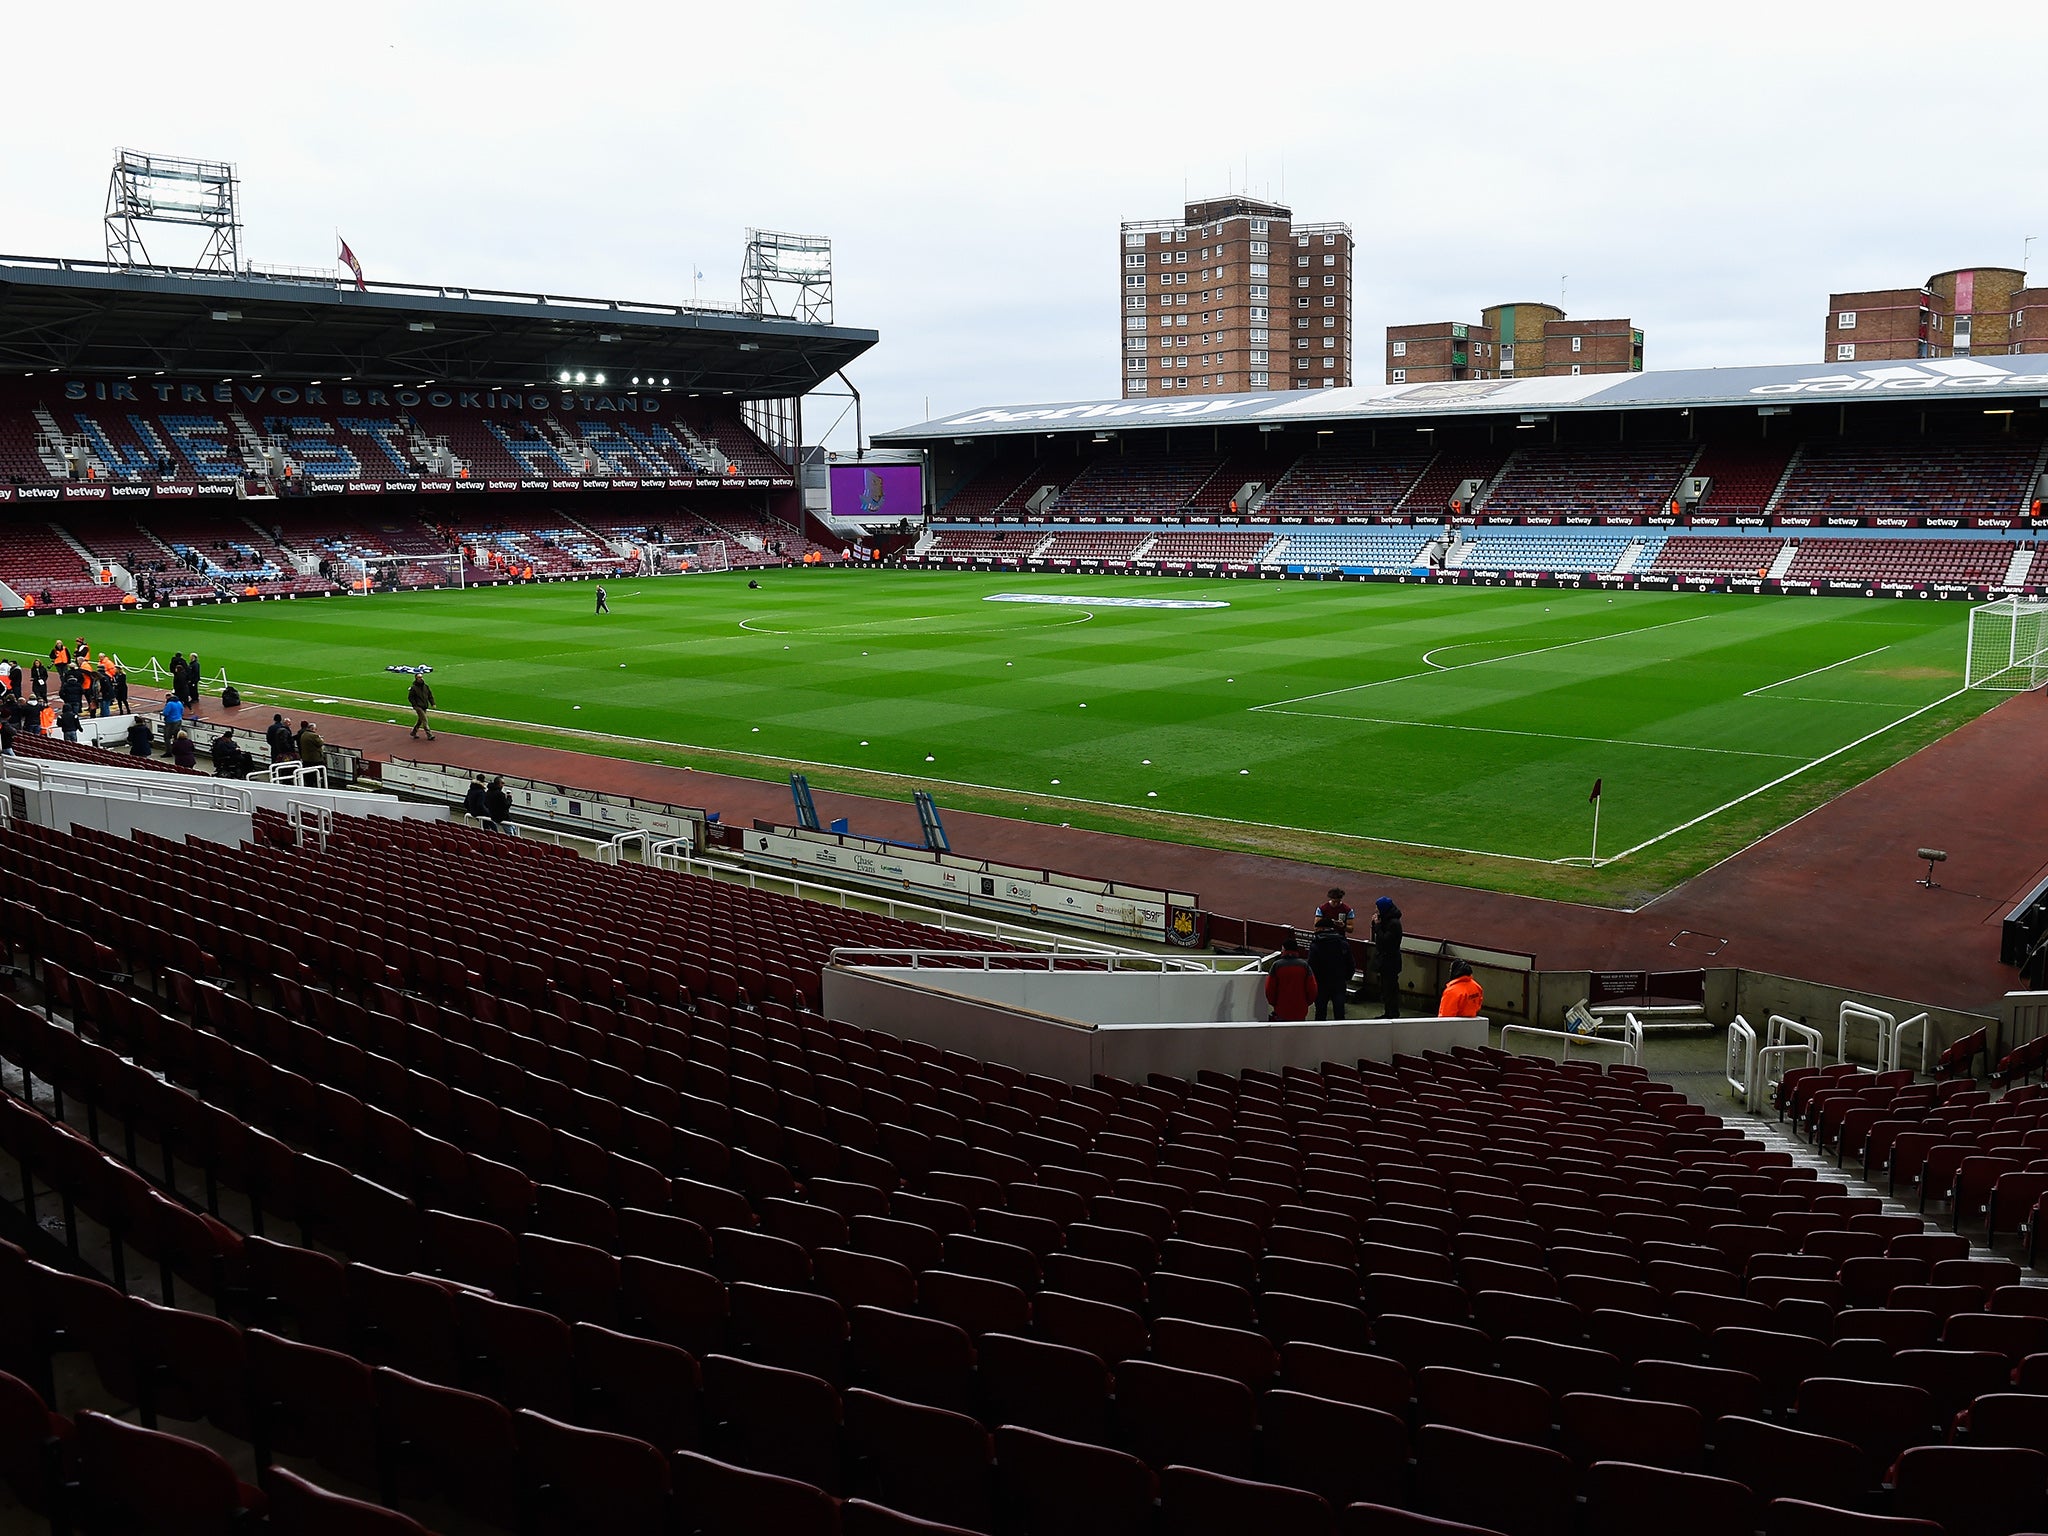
[1042, 960]
[1629, 1042]
[303, 775]
[1741, 1068]
[1789, 1042]
[113, 783]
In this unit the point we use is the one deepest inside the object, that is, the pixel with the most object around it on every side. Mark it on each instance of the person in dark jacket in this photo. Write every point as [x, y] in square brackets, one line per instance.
[497, 805]
[1329, 956]
[193, 678]
[14, 679]
[227, 757]
[283, 747]
[312, 750]
[473, 802]
[39, 681]
[1386, 955]
[71, 691]
[121, 689]
[1291, 984]
[141, 739]
[183, 753]
[421, 698]
[68, 722]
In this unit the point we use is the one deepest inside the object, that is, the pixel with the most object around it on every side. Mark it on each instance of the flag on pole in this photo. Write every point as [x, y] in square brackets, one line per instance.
[1596, 792]
[348, 259]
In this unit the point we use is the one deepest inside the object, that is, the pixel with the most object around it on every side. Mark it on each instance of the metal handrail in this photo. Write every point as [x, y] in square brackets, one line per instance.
[1865, 1014]
[144, 787]
[1048, 960]
[1890, 1063]
[1630, 1044]
[1742, 1036]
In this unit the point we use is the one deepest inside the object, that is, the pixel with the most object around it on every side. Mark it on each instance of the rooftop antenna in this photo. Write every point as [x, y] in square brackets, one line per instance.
[1560, 288]
[2027, 252]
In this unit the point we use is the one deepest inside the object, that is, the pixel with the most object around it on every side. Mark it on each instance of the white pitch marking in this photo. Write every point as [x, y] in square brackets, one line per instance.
[1781, 682]
[1487, 661]
[1494, 730]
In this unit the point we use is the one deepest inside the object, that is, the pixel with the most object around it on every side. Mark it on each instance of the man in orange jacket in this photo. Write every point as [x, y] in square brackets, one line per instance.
[1291, 984]
[1463, 997]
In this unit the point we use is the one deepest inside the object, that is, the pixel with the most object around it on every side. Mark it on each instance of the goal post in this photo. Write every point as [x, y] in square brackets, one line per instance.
[2007, 649]
[686, 557]
[364, 574]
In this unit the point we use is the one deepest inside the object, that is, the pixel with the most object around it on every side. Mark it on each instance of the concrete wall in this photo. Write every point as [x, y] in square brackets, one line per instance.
[1074, 1052]
[62, 810]
[1109, 997]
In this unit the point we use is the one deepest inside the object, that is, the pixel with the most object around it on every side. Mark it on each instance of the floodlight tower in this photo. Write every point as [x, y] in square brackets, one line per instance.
[173, 189]
[784, 277]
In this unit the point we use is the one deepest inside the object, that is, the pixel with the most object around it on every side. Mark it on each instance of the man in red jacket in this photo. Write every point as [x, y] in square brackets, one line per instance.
[1291, 984]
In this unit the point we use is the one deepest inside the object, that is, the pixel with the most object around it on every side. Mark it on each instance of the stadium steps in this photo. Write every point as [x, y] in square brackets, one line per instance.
[2034, 480]
[1486, 491]
[50, 447]
[2017, 567]
[1784, 480]
[1145, 548]
[1692, 466]
[1632, 554]
[1783, 562]
[1402, 504]
[92, 561]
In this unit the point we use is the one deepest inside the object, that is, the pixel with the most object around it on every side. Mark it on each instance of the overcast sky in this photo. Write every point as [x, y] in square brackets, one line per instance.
[1712, 172]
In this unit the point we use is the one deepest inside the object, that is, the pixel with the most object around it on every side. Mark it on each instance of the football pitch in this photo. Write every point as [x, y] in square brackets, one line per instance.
[1446, 732]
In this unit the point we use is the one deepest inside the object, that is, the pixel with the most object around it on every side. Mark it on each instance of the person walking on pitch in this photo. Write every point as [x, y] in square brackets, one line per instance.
[602, 605]
[421, 698]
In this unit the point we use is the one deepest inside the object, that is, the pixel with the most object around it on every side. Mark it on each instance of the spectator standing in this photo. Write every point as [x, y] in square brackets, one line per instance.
[421, 697]
[174, 717]
[178, 676]
[497, 805]
[1386, 955]
[473, 802]
[193, 678]
[140, 740]
[68, 722]
[1336, 910]
[1291, 984]
[1329, 956]
[1462, 997]
[14, 678]
[183, 753]
[39, 680]
[71, 691]
[121, 689]
[312, 750]
[283, 745]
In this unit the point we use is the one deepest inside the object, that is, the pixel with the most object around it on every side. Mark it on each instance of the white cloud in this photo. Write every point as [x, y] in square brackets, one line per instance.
[1713, 174]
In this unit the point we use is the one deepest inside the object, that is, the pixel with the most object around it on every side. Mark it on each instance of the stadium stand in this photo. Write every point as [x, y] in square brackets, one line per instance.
[1703, 555]
[1980, 562]
[991, 490]
[35, 560]
[572, 1229]
[1096, 543]
[1390, 548]
[1744, 476]
[1136, 489]
[1922, 478]
[1227, 545]
[1355, 484]
[1429, 499]
[1231, 476]
[233, 552]
[1004, 543]
[1624, 480]
[1547, 549]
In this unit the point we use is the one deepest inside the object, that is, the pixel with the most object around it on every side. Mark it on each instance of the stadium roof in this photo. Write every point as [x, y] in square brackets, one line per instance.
[88, 316]
[2001, 378]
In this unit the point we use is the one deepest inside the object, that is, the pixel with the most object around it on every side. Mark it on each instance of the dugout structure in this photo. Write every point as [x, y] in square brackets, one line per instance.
[2005, 650]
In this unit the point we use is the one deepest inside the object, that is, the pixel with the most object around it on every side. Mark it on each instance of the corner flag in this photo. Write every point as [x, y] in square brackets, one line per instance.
[348, 259]
[1594, 800]
[1596, 792]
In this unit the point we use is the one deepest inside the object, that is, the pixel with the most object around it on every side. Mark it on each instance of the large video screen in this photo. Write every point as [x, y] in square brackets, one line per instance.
[878, 490]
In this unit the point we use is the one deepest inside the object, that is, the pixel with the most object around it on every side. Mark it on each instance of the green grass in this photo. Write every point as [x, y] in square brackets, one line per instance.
[1445, 732]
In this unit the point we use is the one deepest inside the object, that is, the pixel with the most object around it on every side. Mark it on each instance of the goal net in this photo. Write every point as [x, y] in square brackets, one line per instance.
[2006, 645]
[686, 558]
[399, 573]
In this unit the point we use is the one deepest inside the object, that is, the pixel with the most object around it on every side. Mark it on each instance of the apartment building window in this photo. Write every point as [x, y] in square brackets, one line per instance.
[1329, 322]
[1329, 383]
[1301, 363]
[1137, 365]
[1181, 383]
[1329, 343]
[1329, 261]
[1180, 362]
[1258, 226]
[1845, 352]
[1259, 248]
[1258, 380]
[1846, 320]
[1180, 237]
[1258, 358]
[1961, 333]
[1301, 261]
[1399, 376]
[1329, 282]
[1578, 343]
[1175, 277]
[1575, 370]
[1302, 241]
[1258, 312]
[1301, 282]
[1135, 260]
[1134, 322]
[1257, 291]
[1138, 386]
[1134, 343]
[1135, 302]
[1301, 343]
[1134, 282]
[1257, 337]
[1179, 341]
[1133, 237]
[1180, 298]
[1258, 269]
[1507, 358]
[1301, 303]
[1400, 349]
[1330, 302]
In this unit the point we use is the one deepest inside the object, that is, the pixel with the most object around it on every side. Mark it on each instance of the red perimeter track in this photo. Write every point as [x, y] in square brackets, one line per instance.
[1832, 898]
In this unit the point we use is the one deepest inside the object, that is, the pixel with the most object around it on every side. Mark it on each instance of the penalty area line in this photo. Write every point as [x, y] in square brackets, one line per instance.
[1816, 672]
[1495, 730]
[1785, 778]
